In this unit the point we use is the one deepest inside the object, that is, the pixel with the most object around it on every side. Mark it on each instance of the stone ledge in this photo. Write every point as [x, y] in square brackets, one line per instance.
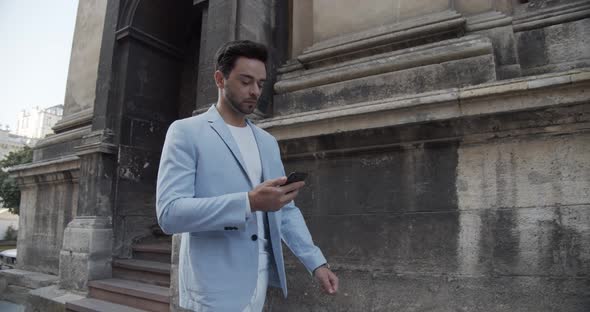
[487, 20]
[67, 163]
[553, 16]
[528, 93]
[394, 61]
[28, 279]
[70, 135]
[415, 29]
[81, 118]
[51, 299]
[99, 141]
[16, 285]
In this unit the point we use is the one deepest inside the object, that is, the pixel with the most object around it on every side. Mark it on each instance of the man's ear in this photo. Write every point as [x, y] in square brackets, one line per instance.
[219, 79]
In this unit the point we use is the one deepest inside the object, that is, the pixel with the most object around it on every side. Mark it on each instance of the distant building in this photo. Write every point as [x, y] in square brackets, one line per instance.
[7, 219]
[11, 142]
[36, 123]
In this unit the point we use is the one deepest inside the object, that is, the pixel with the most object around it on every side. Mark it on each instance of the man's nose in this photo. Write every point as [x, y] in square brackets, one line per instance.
[255, 91]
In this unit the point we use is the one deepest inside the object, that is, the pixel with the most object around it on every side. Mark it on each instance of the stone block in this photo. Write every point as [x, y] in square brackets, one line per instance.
[50, 299]
[568, 42]
[86, 253]
[470, 7]
[330, 20]
[555, 41]
[422, 78]
[411, 8]
[15, 294]
[389, 37]
[505, 52]
[146, 134]
[413, 243]
[513, 173]
[375, 291]
[27, 279]
[537, 241]
[389, 181]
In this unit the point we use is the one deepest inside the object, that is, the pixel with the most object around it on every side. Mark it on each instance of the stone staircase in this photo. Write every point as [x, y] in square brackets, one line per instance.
[138, 284]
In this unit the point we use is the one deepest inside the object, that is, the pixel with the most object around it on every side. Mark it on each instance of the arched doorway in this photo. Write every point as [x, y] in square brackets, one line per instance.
[154, 80]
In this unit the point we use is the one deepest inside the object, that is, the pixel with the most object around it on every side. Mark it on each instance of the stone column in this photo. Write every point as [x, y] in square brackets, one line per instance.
[86, 253]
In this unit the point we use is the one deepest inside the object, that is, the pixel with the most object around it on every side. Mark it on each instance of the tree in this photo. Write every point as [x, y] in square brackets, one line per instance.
[11, 234]
[9, 192]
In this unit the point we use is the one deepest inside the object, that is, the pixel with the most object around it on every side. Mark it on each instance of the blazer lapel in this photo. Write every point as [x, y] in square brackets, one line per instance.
[217, 123]
[263, 151]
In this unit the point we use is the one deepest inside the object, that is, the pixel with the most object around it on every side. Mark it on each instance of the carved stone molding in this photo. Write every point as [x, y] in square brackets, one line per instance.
[62, 170]
[383, 39]
[149, 40]
[100, 141]
[552, 16]
[487, 20]
[528, 93]
[393, 61]
[76, 120]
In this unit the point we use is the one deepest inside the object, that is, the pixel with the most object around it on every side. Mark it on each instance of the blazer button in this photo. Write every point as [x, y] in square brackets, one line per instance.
[254, 237]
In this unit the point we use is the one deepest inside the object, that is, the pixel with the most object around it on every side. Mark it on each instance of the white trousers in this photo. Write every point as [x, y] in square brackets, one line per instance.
[257, 302]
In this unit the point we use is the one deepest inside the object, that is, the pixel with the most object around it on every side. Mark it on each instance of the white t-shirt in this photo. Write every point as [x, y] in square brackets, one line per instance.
[244, 137]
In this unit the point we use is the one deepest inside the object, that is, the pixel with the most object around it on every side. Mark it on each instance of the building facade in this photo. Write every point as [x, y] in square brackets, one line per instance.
[447, 145]
[37, 122]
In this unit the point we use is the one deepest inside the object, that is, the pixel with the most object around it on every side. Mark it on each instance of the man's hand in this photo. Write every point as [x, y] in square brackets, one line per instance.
[327, 279]
[271, 196]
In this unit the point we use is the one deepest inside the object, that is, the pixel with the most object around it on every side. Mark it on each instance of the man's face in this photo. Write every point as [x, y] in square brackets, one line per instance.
[244, 85]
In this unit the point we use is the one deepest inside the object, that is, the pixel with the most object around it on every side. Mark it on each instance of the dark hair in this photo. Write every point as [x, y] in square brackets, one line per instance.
[226, 56]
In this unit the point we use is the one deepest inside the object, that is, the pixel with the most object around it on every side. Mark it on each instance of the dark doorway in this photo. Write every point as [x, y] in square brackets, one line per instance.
[155, 79]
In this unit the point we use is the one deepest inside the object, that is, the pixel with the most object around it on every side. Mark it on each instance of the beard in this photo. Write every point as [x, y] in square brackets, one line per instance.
[237, 105]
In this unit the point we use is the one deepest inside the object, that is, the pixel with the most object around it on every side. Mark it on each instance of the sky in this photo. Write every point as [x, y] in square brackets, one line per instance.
[35, 45]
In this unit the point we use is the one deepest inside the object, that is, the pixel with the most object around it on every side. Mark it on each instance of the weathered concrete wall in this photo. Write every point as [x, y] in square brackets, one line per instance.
[49, 197]
[424, 205]
[486, 213]
[532, 195]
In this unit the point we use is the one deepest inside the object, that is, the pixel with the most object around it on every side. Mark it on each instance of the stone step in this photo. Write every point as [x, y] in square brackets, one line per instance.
[131, 293]
[151, 272]
[160, 252]
[96, 305]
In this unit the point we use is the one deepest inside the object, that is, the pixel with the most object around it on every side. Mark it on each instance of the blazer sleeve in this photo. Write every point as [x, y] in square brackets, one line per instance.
[177, 208]
[296, 235]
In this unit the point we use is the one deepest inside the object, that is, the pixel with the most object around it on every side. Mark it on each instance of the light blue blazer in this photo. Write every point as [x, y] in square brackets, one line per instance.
[202, 192]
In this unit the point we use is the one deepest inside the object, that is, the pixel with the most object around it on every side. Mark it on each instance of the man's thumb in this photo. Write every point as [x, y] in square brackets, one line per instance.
[277, 182]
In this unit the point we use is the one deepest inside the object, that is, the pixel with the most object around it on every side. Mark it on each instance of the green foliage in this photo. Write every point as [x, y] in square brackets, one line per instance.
[9, 192]
[11, 234]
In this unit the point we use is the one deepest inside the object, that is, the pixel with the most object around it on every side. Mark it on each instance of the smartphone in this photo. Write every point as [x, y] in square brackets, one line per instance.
[295, 177]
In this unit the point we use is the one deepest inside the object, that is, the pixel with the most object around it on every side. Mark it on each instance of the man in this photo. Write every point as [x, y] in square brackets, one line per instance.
[221, 184]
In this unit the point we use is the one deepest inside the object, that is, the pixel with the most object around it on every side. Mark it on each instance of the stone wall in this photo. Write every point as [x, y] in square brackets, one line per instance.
[49, 196]
[477, 213]
[443, 175]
